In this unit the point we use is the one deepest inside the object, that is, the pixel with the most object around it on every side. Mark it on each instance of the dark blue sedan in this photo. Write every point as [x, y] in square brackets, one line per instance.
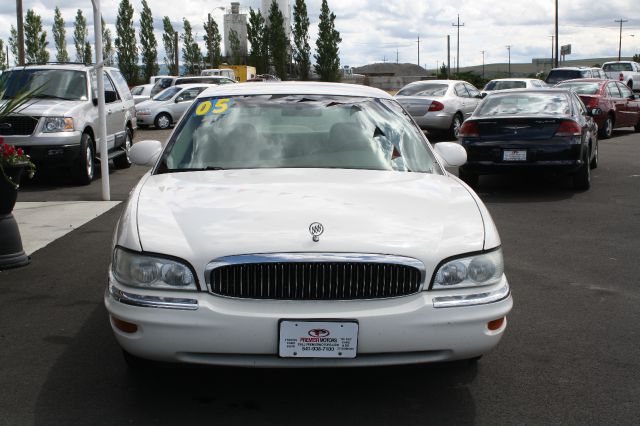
[539, 130]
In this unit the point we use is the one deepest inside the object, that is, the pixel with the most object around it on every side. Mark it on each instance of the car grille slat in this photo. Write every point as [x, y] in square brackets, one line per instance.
[314, 280]
[23, 125]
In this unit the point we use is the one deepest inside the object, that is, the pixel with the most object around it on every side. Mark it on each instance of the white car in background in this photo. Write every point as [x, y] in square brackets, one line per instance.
[141, 93]
[439, 105]
[303, 225]
[512, 83]
[166, 108]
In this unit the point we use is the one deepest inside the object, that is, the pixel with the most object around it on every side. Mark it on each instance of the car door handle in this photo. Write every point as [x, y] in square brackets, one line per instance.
[109, 112]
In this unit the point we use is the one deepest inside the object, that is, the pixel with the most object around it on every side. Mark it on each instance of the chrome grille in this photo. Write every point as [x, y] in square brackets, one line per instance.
[18, 125]
[282, 277]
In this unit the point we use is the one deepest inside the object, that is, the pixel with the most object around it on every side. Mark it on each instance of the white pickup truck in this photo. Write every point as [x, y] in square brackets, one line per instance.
[627, 72]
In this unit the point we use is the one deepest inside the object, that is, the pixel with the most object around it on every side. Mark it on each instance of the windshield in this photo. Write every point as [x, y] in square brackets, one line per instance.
[556, 76]
[50, 83]
[581, 87]
[167, 94]
[429, 89]
[618, 66]
[296, 131]
[137, 90]
[503, 85]
[524, 104]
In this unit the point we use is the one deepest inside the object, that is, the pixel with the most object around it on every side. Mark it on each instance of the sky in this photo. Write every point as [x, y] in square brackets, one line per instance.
[377, 31]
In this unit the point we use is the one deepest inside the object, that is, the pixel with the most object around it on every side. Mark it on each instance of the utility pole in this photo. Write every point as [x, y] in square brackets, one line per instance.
[552, 38]
[458, 43]
[20, 32]
[555, 57]
[419, 51]
[509, 49]
[620, 43]
[397, 55]
[482, 51]
[448, 56]
[177, 55]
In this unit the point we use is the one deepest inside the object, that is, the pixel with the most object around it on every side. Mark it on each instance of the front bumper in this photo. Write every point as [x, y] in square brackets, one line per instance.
[145, 120]
[49, 149]
[215, 330]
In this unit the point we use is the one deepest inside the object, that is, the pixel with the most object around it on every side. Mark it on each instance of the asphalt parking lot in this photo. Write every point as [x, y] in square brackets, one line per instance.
[571, 354]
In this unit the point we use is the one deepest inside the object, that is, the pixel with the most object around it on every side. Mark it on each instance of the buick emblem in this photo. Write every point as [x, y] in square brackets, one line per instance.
[316, 229]
[319, 332]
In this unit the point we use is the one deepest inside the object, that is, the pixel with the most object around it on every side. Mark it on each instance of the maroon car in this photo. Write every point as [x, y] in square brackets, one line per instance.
[618, 106]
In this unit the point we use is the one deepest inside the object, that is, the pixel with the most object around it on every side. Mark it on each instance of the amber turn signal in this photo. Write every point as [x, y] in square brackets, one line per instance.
[495, 324]
[124, 326]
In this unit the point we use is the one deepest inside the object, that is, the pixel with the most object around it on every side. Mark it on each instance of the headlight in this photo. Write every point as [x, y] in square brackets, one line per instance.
[473, 271]
[138, 270]
[58, 124]
[143, 112]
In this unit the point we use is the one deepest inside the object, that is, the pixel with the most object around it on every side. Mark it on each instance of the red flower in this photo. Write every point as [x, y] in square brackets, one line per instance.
[20, 152]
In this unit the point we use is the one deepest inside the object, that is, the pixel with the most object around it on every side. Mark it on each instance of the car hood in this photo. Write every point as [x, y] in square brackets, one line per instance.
[50, 107]
[200, 216]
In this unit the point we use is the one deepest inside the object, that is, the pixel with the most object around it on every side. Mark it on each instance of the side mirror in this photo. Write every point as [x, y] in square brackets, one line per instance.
[145, 153]
[453, 154]
[481, 95]
[179, 99]
[595, 112]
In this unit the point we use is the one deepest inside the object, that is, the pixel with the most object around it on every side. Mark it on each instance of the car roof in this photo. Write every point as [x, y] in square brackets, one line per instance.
[191, 77]
[295, 88]
[573, 68]
[516, 79]
[532, 90]
[587, 80]
[77, 67]
[190, 85]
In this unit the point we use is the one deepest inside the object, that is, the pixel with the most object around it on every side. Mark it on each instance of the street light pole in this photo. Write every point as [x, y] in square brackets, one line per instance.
[509, 49]
[102, 124]
[20, 32]
[482, 51]
[555, 60]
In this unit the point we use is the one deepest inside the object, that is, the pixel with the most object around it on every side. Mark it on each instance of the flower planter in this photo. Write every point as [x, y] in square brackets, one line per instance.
[11, 252]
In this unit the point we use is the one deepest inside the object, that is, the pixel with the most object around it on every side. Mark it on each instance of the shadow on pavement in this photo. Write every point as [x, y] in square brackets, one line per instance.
[91, 384]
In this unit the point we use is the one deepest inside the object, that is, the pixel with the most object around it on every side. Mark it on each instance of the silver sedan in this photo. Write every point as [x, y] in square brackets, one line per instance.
[439, 105]
[167, 107]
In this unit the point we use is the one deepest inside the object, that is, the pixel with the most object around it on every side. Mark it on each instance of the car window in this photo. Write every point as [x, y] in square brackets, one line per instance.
[581, 87]
[50, 83]
[624, 90]
[422, 89]
[617, 66]
[578, 104]
[297, 131]
[225, 81]
[612, 90]
[524, 103]
[190, 94]
[167, 94]
[121, 84]
[137, 90]
[556, 76]
[473, 92]
[461, 91]
[110, 92]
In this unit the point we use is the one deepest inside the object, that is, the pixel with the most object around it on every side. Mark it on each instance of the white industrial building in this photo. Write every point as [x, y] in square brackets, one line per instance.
[285, 9]
[234, 20]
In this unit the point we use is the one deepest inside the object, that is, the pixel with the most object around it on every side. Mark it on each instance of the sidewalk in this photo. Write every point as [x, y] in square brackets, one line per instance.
[41, 223]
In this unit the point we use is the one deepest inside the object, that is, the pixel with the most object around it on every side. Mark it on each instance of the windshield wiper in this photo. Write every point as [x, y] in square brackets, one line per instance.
[47, 96]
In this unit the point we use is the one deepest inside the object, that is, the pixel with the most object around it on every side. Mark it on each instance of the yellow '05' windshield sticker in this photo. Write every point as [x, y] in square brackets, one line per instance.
[216, 106]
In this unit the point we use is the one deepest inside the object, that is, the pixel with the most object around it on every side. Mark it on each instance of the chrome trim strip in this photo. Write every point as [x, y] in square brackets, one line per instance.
[313, 257]
[472, 299]
[147, 301]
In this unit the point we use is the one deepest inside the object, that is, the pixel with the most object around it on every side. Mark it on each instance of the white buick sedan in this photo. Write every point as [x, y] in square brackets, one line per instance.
[303, 225]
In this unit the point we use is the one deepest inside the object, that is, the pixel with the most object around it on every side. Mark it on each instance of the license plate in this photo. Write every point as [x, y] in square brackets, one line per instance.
[514, 155]
[318, 339]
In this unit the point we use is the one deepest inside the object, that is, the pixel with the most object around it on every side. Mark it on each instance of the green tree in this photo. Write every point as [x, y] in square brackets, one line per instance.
[59, 34]
[257, 35]
[88, 55]
[169, 42]
[212, 40]
[190, 50]
[636, 57]
[126, 48]
[107, 45]
[35, 39]
[149, 44]
[327, 59]
[277, 40]
[13, 43]
[3, 56]
[234, 44]
[302, 50]
[80, 35]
